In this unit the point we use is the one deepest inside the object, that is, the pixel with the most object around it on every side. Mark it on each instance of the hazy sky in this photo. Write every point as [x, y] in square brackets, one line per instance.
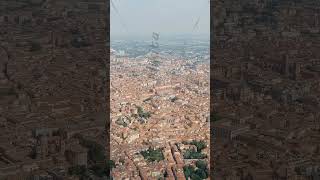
[167, 17]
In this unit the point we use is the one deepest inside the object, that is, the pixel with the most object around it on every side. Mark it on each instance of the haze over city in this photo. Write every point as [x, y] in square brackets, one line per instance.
[159, 69]
[141, 18]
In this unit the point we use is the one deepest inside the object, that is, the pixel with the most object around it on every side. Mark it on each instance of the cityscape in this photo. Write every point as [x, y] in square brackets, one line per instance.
[160, 110]
[52, 91]
[159, 90]
[265, 90]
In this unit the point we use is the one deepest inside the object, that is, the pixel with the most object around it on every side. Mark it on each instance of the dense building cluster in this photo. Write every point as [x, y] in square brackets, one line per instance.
[265, 89]
[52, 83]
[159, 113]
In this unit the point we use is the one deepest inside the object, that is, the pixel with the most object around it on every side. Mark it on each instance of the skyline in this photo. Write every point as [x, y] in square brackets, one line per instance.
[168, 18]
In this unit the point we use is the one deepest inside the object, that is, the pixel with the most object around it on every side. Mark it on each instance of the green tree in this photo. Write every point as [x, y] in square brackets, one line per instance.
[192, 154]
[199, 144]
[195, 177]
[201, 173]
[201, 164]
[152, 155]
[142, 113]
[188, 171]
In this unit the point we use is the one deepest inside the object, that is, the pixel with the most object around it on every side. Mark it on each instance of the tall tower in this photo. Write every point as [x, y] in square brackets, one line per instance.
[316, 20]
[42, 147]
[297, 71]
[287, 65]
